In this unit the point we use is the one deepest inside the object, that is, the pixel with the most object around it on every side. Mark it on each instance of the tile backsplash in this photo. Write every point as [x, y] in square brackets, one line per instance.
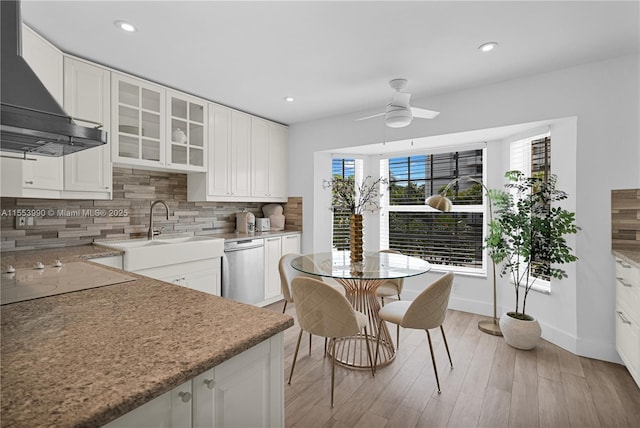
[625, 219]
[74, 222]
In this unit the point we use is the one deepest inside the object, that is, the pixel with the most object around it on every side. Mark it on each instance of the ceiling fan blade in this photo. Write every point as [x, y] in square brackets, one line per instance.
[423, 113]
[370, 117]
[401, 99]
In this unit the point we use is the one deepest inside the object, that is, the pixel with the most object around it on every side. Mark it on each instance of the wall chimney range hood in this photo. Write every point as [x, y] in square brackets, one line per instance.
[32, 122]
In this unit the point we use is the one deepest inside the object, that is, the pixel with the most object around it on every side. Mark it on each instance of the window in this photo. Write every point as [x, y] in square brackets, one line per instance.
[413, 228]
[532, 156]
[342, 168]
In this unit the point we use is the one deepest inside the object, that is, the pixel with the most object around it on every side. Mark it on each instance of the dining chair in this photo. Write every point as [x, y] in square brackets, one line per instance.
[391, 287]
[427, 311]
[324, 311]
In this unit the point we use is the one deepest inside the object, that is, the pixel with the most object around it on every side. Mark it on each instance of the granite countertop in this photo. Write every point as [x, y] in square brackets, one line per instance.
[88, 357]
[630, 256]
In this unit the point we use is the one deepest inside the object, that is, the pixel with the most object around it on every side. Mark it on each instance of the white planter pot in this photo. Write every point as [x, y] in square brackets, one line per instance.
[518, 333]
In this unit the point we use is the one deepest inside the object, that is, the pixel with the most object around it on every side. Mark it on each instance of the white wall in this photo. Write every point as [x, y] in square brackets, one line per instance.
[602, 98]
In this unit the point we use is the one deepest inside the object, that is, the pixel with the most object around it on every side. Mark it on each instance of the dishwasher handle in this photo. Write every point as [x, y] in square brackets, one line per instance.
[247, 244]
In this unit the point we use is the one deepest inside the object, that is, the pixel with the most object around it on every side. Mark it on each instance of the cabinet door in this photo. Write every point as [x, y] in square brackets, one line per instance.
[277, 155]
[45, 173]
[203, 395]
[207, 281]
[20, 178]
[249, 387]
[171, 409]
[240, 154]
[45, 60]
[272, 252]
[291, 244]
[219, 170]
[186, 132]
[259, 157]
[138, 122]
[87, 91]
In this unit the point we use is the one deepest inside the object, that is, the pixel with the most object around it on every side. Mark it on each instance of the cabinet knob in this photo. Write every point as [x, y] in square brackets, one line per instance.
[210, 383]
[106, 187]
[28, 182]
[185, 396]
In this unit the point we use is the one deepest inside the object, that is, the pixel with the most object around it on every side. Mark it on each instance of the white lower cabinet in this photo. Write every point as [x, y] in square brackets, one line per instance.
[244, 391]
[201, 275]
[171, 409]
[274, 248]
[272, 254]
[291, 244]
[628, 316]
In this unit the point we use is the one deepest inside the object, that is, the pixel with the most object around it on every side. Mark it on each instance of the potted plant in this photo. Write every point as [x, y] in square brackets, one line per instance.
[527, 238]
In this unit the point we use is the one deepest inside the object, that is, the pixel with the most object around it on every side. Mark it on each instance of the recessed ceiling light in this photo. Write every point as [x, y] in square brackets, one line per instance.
[487, 47]
[125, 26]
[289, 99]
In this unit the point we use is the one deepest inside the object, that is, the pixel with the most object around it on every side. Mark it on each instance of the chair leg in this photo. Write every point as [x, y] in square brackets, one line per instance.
[397, 336]
[446, 345]
[295, 356]
[433, 359]
[309, 344]
[366, 339]
[375, 359]
[285, 307]
[333, 366]
[325, 346]
[382, 298]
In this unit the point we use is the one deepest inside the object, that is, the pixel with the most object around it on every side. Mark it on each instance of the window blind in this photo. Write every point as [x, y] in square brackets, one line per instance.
[343, 168]
[411, 227]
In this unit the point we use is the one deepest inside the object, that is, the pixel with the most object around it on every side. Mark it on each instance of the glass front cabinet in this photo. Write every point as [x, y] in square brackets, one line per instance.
[156, 127]
[186, 131]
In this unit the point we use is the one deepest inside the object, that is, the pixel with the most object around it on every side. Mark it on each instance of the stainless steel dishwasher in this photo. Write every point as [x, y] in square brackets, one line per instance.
[243, 270]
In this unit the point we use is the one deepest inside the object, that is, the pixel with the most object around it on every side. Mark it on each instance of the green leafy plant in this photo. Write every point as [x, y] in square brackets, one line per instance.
[527, 235]
[353, 197]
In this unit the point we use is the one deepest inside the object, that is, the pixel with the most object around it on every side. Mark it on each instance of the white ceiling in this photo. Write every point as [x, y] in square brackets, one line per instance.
[334, 57]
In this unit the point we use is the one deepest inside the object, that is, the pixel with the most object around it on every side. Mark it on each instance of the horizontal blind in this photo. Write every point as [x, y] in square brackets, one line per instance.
[408, 226]
[342, 168]
[453, 238]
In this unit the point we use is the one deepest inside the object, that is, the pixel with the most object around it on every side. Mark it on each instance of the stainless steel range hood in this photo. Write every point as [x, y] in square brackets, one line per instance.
[32, 121]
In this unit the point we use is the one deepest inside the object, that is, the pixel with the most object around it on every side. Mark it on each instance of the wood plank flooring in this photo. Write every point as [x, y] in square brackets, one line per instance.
[491, 385]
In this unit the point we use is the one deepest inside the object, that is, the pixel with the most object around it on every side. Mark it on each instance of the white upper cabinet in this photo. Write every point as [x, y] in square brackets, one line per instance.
[45, 60]
[87, 91]
[240, 166]
[138, 122]
[247, 159]
[186, 132]
[278, 149]
[269, 160]
[41, 178]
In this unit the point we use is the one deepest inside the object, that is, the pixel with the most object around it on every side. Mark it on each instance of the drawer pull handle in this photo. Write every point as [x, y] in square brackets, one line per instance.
[29, 182]
[185, 396]
[624, 320]
[210, 383]
[624, 284]
[623, 264]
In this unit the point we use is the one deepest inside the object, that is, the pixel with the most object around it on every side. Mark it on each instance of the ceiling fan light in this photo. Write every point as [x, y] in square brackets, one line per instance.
[398, 118]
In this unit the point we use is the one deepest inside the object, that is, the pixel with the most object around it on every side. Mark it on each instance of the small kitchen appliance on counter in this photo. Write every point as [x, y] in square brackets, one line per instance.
[245, 222]
[263, 225]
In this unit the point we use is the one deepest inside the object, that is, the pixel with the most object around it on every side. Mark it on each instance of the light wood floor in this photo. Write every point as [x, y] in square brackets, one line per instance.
[491, 385]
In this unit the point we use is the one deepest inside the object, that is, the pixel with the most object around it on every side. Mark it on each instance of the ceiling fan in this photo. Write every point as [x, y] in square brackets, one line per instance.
[399, 113]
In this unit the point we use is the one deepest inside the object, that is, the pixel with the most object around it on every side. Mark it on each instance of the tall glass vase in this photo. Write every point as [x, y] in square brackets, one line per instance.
[357, 238]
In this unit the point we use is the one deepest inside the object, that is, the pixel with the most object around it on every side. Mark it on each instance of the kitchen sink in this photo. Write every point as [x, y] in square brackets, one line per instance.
[165, 250]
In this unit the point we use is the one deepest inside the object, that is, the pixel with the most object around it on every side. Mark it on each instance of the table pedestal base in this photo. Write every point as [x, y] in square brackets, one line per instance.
[352, 351]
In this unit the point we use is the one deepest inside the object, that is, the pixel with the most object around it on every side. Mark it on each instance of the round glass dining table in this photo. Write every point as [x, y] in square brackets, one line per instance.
[360, 281]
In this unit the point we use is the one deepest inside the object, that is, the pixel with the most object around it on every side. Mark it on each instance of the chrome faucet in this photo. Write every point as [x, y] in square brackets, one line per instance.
[151, 233]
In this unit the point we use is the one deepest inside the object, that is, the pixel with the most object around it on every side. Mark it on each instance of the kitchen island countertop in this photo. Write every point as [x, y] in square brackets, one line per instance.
[87, 357]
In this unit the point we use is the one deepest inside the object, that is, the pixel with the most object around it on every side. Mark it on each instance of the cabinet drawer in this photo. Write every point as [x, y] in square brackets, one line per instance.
[628, 289]
[628, 341]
